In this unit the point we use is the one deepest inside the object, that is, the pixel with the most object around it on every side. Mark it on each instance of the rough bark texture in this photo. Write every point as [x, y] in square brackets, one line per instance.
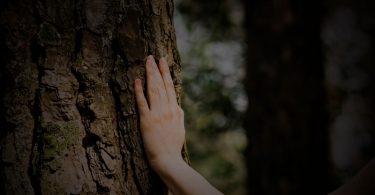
[69, 123]
[287, 118]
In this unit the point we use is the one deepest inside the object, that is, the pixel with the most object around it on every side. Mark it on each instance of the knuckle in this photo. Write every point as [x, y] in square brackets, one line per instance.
[168, 115]
[154, 91]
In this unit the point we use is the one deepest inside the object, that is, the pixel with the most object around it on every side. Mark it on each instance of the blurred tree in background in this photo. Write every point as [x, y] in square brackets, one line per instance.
[287, 119]
[309, 81]
[348, 34]
[310, 75]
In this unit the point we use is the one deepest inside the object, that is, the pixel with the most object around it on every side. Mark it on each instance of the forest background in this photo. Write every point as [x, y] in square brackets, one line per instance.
[309, 85]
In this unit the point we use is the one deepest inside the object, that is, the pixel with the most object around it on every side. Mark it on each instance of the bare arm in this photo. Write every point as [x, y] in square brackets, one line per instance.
[163, 132]
[363, 183]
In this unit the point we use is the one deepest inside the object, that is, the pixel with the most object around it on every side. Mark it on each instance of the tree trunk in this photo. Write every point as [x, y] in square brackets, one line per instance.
[287, 117]
[69, 122]
[348, 34]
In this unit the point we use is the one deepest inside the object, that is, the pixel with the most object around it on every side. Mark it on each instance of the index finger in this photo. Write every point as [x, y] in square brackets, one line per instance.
[140, 97]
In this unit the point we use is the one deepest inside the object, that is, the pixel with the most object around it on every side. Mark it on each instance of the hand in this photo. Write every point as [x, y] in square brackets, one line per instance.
[163, 132]
[161, 118]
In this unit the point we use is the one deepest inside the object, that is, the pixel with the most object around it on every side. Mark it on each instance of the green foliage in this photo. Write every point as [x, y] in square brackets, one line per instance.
[215, 138]
[213, 14]
[207, 97]
[210, 117]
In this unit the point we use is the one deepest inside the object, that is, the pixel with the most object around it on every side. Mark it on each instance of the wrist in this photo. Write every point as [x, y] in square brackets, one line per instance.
[165, 164]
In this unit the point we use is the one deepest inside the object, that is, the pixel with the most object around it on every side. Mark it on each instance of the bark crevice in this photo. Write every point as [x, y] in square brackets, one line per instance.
[38, 55]
[76, 61]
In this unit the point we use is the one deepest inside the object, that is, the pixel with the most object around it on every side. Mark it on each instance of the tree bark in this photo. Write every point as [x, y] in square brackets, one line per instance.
[287, 117]
[69, 123]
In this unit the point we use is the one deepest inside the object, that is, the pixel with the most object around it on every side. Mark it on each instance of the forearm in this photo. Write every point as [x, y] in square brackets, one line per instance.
[163, 131]
[181, 179]
[362, 183]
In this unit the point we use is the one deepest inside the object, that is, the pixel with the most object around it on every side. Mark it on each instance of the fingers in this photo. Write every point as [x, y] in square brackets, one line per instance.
[155, 85]
[160, 88]
[168, 82]
[140, 97]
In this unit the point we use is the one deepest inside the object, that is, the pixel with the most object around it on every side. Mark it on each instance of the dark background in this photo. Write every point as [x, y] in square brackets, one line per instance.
[309, 90]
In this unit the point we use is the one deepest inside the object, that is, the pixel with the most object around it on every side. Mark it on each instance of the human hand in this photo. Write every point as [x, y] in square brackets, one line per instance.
[161, 118]
[163, 132]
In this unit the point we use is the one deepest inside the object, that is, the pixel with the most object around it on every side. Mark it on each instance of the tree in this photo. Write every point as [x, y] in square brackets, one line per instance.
[350, 74]
[287, 118]
[69, 124]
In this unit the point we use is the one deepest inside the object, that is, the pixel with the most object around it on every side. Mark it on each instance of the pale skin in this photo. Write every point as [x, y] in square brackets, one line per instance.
[163, 132]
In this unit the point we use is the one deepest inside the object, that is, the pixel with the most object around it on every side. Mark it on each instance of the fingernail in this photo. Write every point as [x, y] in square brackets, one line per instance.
[150, 58]
[165, 57]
